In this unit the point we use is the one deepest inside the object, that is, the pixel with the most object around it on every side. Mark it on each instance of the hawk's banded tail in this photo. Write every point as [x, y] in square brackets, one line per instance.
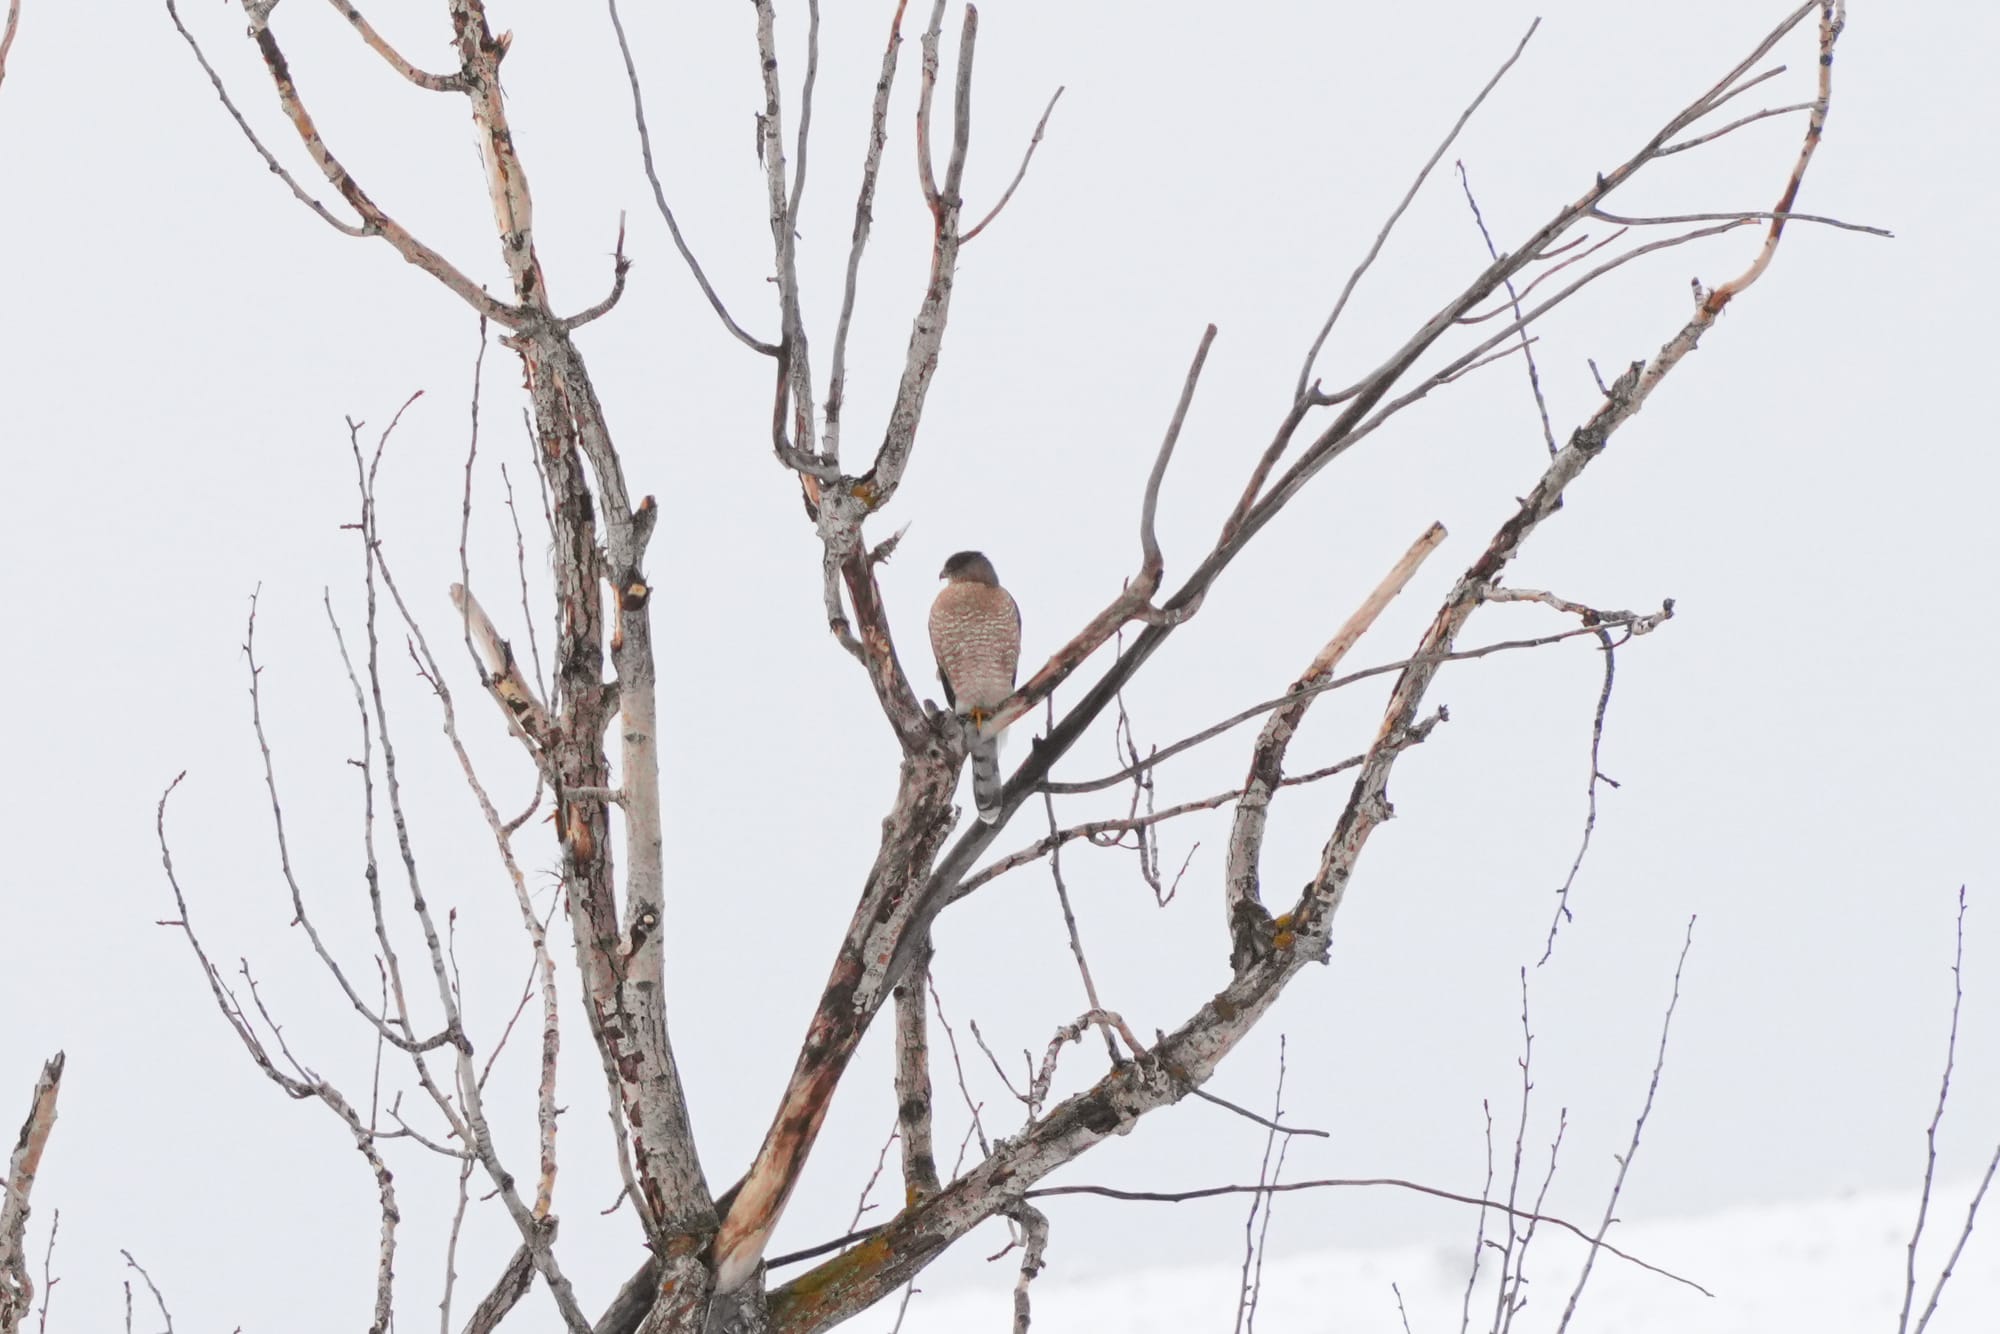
[984, 753]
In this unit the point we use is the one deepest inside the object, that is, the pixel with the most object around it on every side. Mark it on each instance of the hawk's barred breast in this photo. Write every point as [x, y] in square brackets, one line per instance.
[976, 635]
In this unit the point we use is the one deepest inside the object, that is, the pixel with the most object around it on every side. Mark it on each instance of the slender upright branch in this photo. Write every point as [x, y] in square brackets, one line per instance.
[708, 291]
[1632, 1149]
[864, 217]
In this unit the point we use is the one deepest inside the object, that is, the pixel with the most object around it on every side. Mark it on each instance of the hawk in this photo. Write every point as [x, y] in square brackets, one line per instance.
[976, 635]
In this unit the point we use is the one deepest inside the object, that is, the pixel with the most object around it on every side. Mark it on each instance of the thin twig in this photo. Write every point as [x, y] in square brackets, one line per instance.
[1210, 1192]
[861, 1205]
[1094, 830]
[1265, 1121]
[1503, 1297]
[1638, 1127]
[1479, 1235]
[1069, 918]
[1382, 236]
[1930, 1154]
[1597, 775]
[362, 228]
[1638, 626]
[1033, 141]
[1514, 298]
[1678, 219]
[151, 1287]
[49, 1280]
[1736, 124]
[660, 197]
[1250, 1285]
[957, 1065]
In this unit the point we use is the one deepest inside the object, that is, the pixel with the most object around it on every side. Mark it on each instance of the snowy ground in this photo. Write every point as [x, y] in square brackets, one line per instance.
[1827, 1267]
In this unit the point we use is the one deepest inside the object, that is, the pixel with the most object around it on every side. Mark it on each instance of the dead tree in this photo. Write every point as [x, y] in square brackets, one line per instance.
[708, 1249]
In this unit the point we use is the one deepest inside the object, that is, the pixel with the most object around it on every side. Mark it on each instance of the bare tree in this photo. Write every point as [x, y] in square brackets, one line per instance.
[709, 1265]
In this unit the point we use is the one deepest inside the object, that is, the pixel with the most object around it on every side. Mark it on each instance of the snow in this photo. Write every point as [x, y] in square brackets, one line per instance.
[1825, 1266]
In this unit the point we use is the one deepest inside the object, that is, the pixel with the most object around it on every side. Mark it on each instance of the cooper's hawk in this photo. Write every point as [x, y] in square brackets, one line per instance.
[976, 635]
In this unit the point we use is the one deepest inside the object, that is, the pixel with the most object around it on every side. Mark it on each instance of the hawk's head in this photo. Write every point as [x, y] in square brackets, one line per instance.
[969, 567]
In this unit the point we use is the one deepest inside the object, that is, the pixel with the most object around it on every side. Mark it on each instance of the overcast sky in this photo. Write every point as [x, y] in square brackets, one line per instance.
[1805, 753]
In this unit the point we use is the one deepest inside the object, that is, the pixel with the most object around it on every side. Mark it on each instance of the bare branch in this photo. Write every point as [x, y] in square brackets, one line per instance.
[1070, 930]
[1382, 237]
[1186, 1056]
[1134, 602]
[437, 83]
[913, 1083]
[501, 673]
[1034, 1245]
[920, 361]
[1106, 1021]
[1263, 1121]
[1833, 17]
[158, 1300]
[508, 1289]
[1021, 172]
[1279, 1188]
[660, 198]
[375, 220]
[861, 1205]
[1152, 563]
[1256, 508]
[620, 266]
[300, 1086]
[972, 1107]
[534, 1224]
[1096, 830]
[1514, 299]
[396, 1032]
[1638, 1126]
[794, 379]
[1678, 219]
[1930, 1156]
[864, 216]
[7, 35]
[927, 89]
[1737, 124]
[1251, 1284]
[49, 1281]
[277, 169]
[1638, 626]
[1479, 1236]
[1597, 775]
[17, 1288]
[1249, 923]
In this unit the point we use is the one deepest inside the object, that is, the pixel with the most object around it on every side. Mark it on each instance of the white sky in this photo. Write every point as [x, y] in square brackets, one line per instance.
[1806, 753]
